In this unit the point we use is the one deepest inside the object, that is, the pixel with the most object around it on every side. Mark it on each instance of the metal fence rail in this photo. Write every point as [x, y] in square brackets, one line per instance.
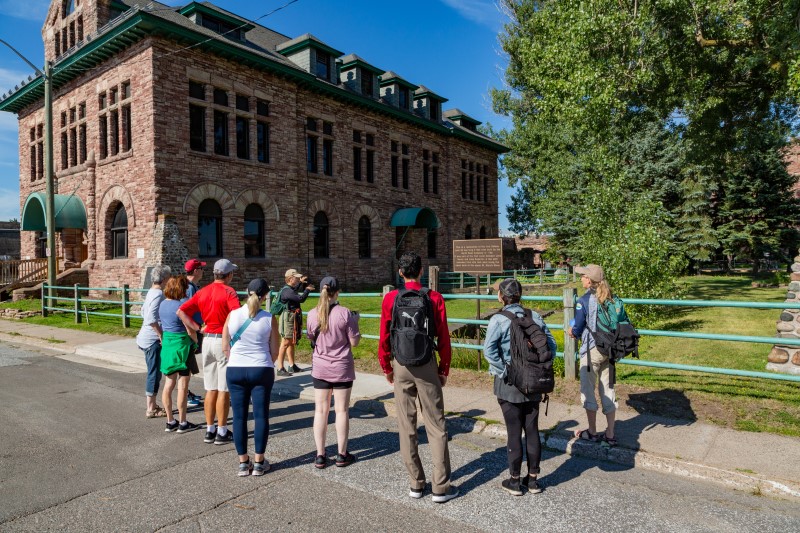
[82, 307]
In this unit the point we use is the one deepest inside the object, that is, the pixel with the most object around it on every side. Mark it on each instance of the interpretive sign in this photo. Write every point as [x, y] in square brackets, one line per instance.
[478, 256]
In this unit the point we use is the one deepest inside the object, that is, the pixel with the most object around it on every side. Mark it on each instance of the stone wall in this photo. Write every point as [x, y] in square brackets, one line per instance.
[787, 358]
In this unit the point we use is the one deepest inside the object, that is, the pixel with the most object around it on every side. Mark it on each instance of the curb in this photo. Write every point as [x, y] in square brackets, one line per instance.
[559, 441]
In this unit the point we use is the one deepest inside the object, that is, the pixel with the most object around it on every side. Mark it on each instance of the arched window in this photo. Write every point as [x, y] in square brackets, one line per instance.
[321, 233]
[119, 233]
[364, 237]
[209, 229]
[483, 232]
[253, 231]
[468, 232]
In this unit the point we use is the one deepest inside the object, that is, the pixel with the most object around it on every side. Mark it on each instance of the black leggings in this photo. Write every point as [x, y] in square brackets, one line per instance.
[519, 417]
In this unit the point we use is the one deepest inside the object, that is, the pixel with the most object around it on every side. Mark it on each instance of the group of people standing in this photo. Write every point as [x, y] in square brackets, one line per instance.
[241, 347]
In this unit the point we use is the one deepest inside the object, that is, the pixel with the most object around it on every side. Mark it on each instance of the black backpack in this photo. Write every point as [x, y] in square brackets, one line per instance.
[531, 368]
[412, 327]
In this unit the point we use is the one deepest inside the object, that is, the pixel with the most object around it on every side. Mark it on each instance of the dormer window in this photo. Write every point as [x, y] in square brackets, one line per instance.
[402, 94]
[366, 83]
[323, 69]
[222, 27]
[396, 91]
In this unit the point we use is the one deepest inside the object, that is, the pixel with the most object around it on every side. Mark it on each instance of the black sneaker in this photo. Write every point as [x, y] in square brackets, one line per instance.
[283, 373]
[186, 426]
[532, 484]
[345, 460]
[210, 436]
[451, 493]
[295, 368]
[511, 486]
[171, 426]
[320, 462]
[226, 439]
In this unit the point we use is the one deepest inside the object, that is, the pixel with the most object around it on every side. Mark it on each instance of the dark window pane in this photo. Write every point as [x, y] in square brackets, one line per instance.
[220, 97]
[242, 102]
[425, 155]
[364, 238]
[262, 108]
[253, 231]
[370, 166]
[327, 157]
[114, 131]
[311, 153]
[197, 90]
[366, 83]
[478, 188]
[321, 242]
[432, 244]
[435, 173]
[209, 229]
[103, 137]
[242, 138]
[394, 171]
[471, 186]
[468, 232]
[405, 173]
[64, 151]
[357, 163]
[356, 136]
[482, 232]
[220, 133]
[463, 185]
[323, 65]
[486, 190]
[403, 94]
[311, 124]
[82, 143]
[405, 149]
[197, 128]
[394, 146]
[127, 129]
[119, 233]
[425, 177]
[262, 140]
[370, 139]
[327, 128]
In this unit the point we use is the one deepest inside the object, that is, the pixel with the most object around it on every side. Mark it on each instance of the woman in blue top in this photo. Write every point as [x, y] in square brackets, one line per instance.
[178, 342]
[520, 411]
[595, 367]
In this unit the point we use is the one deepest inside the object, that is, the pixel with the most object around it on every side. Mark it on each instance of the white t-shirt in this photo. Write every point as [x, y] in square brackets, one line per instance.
[252, 348]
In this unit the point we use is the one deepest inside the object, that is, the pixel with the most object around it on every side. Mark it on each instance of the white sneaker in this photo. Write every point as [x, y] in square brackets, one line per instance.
[415, 493]
[446, 497]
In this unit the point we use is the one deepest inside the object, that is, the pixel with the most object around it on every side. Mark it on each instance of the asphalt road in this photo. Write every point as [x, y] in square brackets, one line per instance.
[77, 454]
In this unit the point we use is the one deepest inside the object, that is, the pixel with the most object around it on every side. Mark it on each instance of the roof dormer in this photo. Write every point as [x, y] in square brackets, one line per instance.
[313, 56]
[219, 21]
[69, 23]
[397, 91]
[359, 76]
[456, 116]
[428, 104]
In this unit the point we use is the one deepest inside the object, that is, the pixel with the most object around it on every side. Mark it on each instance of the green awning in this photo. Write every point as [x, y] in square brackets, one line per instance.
[416, 217]
[70, 212]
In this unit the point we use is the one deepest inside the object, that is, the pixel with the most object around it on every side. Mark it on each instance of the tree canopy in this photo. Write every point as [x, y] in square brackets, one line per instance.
[674, 115]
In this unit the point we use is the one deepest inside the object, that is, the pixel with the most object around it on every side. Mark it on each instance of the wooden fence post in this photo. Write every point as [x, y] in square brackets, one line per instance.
[570, 368]
[77, 302]
[461, 280]
[126, 321]
[433, 278]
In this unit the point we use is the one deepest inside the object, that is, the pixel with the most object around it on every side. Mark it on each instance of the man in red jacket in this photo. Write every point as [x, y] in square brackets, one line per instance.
[417, 375]
[214, 302]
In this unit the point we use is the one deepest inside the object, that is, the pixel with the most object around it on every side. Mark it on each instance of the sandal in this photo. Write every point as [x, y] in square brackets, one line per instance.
[156, 413]
[587, 435]
[609, 441]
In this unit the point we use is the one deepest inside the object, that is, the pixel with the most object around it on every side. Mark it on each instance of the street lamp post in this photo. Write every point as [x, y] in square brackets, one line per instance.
[50, 212]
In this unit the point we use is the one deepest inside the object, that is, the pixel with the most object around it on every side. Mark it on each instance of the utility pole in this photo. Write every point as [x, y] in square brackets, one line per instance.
[50, 212]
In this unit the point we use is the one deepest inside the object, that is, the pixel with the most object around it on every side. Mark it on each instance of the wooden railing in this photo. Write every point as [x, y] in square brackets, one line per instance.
[26, 270]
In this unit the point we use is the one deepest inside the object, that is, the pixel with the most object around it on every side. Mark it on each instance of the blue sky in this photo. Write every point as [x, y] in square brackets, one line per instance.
[450, 46]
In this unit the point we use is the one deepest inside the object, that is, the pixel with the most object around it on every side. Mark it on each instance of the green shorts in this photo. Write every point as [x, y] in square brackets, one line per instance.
[290, 325]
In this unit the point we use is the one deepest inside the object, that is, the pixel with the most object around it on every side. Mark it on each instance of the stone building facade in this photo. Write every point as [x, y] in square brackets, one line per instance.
[239, 142]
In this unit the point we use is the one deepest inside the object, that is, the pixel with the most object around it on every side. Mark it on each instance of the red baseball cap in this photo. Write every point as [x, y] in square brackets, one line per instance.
[193, 264]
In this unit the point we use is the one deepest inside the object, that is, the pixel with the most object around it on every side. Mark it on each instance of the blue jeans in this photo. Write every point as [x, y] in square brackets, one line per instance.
[152, 356]
[246, 383]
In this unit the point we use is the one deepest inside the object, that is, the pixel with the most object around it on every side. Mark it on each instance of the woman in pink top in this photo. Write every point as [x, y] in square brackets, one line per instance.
[333, 330]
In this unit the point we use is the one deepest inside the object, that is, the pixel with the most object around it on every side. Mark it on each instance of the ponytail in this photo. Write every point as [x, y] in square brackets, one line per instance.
[323, 309]
[253, 304]
[602, 291]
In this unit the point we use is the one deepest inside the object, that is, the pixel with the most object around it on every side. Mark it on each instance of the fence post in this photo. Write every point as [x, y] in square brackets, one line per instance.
[268, 303]
[433, 278]
[77, 301]
[126, 321]
[44, 303]
[570, 369]
[461, 280]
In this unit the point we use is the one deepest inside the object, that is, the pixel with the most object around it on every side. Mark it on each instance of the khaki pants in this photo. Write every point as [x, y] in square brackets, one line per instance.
[599, 375]
[422, 382]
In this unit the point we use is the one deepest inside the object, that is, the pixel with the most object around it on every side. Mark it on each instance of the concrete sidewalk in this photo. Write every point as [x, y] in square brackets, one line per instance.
[740, 460]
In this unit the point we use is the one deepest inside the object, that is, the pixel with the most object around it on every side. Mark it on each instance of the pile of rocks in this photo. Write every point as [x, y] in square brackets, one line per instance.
[787, 358]
[17, 314]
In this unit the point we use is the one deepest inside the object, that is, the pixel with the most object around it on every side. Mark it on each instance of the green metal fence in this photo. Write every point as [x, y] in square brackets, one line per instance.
[81, 306]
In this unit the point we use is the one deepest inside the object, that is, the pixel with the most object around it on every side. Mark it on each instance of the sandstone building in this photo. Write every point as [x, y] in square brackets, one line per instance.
[190, 131]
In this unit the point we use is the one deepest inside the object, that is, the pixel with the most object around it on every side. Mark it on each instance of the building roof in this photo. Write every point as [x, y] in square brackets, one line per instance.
[306, 41]
[423, 91]
[390, 77]
[259, 51]
[352, 60]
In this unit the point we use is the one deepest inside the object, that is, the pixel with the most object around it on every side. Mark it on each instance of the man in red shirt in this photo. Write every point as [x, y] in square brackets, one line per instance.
[419, 377]
[214, 302]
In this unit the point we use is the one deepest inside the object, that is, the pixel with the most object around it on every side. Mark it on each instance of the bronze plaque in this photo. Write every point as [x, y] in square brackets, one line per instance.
[478, 256]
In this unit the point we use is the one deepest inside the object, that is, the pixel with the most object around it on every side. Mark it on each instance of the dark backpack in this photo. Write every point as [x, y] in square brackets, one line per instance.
[412, 327]
[278, 306]
[531, 368]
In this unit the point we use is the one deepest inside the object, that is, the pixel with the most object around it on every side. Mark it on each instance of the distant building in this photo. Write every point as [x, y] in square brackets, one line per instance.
[190, 131]
[9, 240]
[524, 251]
